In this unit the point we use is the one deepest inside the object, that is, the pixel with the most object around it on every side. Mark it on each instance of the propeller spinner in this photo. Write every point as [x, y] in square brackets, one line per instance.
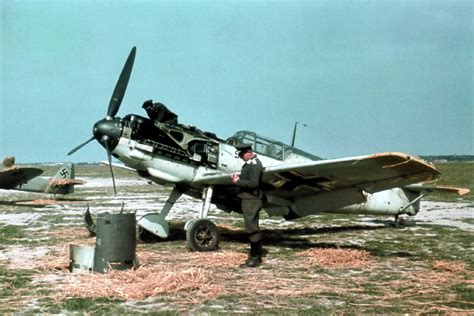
[107, 131]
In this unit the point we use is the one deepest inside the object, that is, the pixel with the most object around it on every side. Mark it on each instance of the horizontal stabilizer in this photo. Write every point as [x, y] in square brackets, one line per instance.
[434, 188]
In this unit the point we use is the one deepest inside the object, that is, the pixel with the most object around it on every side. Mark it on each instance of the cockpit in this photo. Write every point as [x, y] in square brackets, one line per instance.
[267, 146]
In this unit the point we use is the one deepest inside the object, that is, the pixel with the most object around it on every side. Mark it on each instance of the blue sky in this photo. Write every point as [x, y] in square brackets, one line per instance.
[365, 76]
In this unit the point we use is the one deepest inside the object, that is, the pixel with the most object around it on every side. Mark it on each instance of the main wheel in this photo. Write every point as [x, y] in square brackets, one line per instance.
[202, 235]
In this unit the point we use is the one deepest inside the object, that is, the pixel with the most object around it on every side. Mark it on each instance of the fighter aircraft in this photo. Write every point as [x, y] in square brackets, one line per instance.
[14, 177]
[295, 183]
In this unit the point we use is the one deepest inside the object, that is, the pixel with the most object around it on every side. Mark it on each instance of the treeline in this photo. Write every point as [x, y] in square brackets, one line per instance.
[449, 158]
[59, 163]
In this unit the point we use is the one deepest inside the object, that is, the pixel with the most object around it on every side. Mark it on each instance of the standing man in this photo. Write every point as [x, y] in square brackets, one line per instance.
[251, 196]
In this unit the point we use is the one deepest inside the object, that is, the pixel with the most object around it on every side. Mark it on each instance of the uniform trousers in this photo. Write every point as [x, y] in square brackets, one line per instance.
[250, 210]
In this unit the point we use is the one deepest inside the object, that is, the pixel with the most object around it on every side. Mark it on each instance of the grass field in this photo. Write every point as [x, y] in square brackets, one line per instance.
[316, 265]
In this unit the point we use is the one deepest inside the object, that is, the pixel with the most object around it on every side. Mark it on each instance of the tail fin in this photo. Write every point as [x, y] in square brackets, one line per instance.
[65, 172]
[63, 181]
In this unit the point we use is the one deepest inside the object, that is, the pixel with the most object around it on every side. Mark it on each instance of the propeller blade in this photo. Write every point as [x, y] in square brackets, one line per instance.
[121, 85]
[80, 146]
[109, 156]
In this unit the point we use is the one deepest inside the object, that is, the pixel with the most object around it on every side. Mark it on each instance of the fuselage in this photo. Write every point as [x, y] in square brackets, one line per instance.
[58, 184]
[175, 154]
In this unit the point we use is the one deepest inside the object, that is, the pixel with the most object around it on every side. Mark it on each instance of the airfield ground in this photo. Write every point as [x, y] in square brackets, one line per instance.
[320, 264]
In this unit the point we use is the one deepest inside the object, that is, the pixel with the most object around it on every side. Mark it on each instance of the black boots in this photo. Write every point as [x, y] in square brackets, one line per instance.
[255, 255]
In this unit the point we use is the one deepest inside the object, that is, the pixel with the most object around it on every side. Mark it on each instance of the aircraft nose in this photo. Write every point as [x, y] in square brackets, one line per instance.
[107, 132]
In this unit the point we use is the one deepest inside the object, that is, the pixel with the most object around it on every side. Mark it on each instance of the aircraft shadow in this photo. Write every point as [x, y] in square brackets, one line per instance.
[293, 238]
[40, 202]
[270, 236]
[21, 204]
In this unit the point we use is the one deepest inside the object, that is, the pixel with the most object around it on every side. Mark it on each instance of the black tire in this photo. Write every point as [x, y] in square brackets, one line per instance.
[202, 235]
[401, 223]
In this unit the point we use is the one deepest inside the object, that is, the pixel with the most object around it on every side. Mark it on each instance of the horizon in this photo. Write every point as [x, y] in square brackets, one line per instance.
[100, 162]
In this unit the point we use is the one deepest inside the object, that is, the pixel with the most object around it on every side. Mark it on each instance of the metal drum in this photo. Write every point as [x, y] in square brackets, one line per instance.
[115, 242]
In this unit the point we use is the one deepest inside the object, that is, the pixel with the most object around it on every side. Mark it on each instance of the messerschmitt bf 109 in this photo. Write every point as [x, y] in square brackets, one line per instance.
[295, 183]
[13, 177]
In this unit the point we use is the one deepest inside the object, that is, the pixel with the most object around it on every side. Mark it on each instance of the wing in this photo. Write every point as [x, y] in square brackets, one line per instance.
[14, 176]
[371, 173]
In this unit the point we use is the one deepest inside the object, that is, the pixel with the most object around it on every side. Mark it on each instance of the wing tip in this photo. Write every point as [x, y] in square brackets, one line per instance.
[463, 191]
[405, 159]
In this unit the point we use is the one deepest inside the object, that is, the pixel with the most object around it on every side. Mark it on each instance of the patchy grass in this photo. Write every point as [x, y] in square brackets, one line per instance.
[305, 279]
[88, 305]
[11, 234]
[12, 283]
[327, 264]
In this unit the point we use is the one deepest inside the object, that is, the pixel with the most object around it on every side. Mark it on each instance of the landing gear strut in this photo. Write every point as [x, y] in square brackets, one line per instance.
[202, 234]
[156, 223]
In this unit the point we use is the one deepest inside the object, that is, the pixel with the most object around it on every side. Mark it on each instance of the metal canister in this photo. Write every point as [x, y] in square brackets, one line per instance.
[115, 244]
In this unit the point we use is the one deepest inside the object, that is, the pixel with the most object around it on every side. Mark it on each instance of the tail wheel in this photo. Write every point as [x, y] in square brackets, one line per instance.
[202, 235]
[400, 222]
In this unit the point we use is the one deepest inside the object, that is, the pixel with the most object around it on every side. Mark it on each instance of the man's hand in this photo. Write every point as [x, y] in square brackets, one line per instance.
[234, 178]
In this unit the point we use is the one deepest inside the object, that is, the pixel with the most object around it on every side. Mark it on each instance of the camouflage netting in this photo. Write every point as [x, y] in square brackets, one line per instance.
[57, 183]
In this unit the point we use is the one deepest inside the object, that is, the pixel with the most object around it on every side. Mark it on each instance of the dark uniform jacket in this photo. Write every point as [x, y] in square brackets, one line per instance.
[250, 179]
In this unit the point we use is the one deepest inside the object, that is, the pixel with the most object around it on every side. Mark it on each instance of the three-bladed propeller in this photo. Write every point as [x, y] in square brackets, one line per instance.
[108, 130]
